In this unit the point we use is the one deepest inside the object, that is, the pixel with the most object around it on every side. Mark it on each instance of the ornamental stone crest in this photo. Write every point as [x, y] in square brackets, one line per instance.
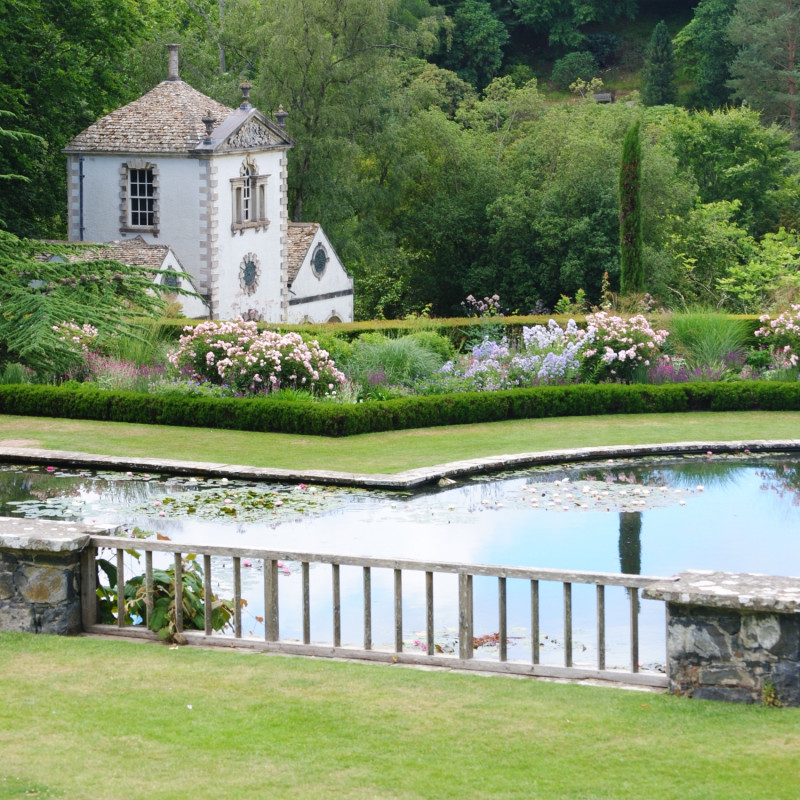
[253, 134]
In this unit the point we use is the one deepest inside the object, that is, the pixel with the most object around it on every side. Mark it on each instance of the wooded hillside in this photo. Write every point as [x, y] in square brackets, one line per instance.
[456, 149]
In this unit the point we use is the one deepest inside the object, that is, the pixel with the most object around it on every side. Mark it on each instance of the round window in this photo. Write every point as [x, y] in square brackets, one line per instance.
[170, 279]
[248, 274]
[319, 260]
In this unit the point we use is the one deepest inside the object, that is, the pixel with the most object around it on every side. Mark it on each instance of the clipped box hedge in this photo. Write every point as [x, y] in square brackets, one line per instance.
[321, 419]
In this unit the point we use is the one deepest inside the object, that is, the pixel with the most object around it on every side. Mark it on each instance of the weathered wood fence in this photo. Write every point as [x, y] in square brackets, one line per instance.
[465, 658]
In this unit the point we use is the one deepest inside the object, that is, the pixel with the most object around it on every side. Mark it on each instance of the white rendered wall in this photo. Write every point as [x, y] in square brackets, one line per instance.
[177, 203]
[229, 298]
[194, 218]
[308, 284]
[193, 307]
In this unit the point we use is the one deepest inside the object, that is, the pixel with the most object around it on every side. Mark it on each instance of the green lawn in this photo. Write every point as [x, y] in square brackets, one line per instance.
[394, 451]
[87, 718]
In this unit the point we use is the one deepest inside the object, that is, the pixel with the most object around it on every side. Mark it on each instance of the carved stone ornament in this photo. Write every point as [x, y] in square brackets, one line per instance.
[253, 134]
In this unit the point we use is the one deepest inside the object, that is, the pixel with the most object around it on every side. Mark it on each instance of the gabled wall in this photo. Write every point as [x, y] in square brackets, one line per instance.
[318, 298]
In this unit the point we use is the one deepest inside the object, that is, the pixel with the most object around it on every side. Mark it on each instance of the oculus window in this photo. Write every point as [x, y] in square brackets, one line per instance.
[319, 261]
[249, 273]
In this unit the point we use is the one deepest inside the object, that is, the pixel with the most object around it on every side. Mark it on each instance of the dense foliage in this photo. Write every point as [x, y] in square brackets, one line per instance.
[436, 150]
[55, 302]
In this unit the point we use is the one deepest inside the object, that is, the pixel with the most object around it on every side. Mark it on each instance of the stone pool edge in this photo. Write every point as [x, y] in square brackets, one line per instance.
[409, 479]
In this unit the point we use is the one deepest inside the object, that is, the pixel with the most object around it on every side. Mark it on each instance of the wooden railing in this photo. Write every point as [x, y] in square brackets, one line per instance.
[465, 659]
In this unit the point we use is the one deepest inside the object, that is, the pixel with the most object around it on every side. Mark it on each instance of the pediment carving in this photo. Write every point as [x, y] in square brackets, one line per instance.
[252, 134]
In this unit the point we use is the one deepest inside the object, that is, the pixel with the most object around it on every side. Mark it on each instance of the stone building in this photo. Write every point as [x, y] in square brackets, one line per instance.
[177, 168]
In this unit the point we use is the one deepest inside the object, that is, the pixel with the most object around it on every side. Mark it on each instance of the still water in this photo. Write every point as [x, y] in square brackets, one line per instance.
[652, 516]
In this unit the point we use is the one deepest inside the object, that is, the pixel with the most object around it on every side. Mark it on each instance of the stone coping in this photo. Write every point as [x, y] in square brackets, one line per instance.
[48, 536]
[402, 480]
[733, 590]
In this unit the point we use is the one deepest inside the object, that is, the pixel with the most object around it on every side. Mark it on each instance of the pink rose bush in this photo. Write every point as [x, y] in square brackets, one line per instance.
[80, 338]
[251, 362]
[782, 335]
[616, 348]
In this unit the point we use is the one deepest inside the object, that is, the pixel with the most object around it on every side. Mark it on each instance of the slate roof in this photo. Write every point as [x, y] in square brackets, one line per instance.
[134, 252]
[300, 236]
[169, 118]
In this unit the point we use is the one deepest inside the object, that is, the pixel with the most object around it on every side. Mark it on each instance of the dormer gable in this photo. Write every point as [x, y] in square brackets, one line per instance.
[245, 128]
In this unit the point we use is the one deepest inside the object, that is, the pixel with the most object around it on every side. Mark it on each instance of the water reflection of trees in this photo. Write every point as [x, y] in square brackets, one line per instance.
[784, 480]
[630, 542]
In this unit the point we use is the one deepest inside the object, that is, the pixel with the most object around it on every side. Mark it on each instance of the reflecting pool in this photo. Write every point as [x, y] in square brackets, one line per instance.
[654, 516]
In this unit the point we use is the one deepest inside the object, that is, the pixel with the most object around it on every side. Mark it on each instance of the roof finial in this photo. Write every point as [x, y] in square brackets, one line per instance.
[208, 121]
[280, 116]
[173, 62]
[246, 86]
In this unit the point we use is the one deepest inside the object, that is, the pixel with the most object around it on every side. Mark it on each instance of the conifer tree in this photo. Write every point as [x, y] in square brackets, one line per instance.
[658, 74]
[631, 274]
[766, 70]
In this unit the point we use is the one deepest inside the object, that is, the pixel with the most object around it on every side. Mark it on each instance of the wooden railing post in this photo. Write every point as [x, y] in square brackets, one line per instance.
[237, 597]
[271, 609]
[337, 607]
[306, 603]
[430, 644]
[535, 622]
[567, 624]
[398, 611]
[501, 612]
[367, 576]
[601, 626]
[120, 588]
[207, 593]
[89, 614]
[634, 597]
[465, 632]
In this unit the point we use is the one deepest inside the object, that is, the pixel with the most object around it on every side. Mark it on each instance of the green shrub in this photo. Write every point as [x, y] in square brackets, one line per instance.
[16, 373]
[435, 342]
[163, 615]
[705, 338]
[580, 64]
[380, 360]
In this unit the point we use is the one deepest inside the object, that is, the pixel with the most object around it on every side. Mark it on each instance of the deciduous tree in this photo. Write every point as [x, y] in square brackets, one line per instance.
[706, 52]
[476, 52]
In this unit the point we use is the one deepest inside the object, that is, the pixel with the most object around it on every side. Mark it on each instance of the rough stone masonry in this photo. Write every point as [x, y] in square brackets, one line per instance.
[732, 637]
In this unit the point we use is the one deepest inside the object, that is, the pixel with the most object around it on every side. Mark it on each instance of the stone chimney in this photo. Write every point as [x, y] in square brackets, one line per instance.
[173, 63]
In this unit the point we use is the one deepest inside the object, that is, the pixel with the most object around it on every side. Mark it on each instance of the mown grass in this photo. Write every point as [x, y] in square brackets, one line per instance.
[393, 451]
[87, 718]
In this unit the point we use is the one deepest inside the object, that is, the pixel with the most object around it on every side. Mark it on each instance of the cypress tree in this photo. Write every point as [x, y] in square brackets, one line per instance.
[658, 73]
[631, 274]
